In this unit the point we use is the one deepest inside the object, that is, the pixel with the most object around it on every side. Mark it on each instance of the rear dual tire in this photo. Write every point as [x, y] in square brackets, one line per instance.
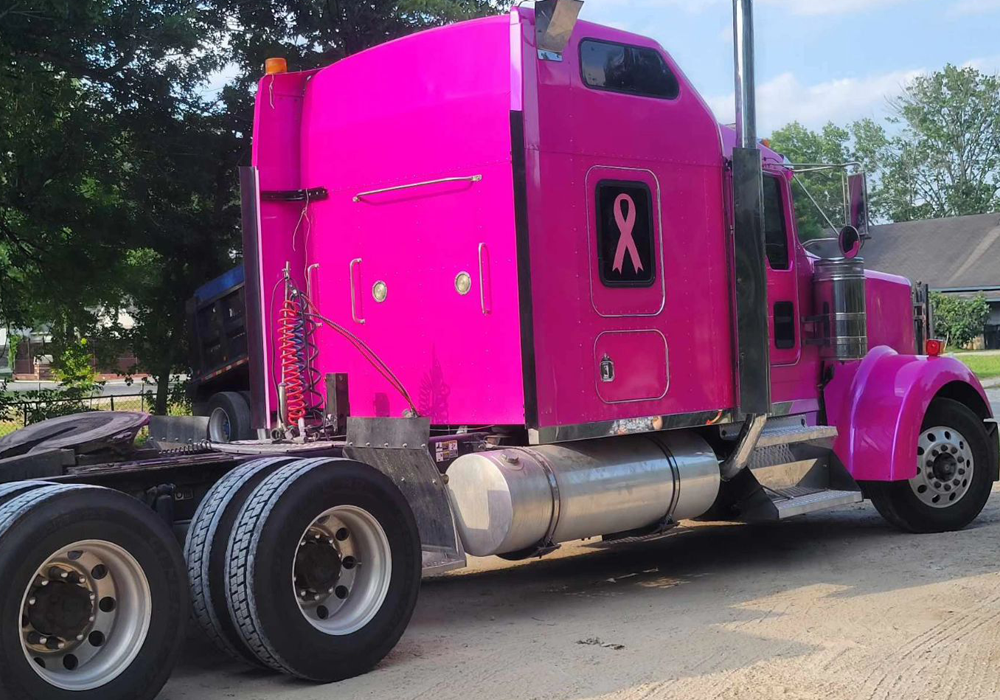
[205, 552]
[94, 603]
[323, 569]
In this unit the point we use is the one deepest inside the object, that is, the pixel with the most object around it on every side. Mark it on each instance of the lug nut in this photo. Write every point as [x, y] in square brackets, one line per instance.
[31, 601]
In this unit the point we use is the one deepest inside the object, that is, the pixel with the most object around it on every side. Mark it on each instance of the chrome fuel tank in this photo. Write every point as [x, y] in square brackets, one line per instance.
[512, 499]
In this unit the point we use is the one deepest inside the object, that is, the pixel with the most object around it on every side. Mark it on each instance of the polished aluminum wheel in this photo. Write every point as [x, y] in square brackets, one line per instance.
[85, 615]
[944, 467]
[341, 570]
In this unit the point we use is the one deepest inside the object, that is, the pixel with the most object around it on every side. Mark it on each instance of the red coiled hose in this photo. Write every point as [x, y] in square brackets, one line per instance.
[289, 353]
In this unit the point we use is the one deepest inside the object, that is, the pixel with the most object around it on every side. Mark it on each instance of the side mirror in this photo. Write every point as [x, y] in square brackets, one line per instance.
[850, 242]
[554, 23]
[857, 203]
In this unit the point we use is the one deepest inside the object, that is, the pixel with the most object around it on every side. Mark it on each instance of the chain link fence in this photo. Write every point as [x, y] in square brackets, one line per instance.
[22, 413]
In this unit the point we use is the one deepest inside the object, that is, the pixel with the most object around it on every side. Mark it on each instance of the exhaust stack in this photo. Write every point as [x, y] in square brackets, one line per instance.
[753, 372]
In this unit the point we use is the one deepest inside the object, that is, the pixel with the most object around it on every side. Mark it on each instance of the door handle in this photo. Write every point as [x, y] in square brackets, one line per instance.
[485, 291]
[354, 295]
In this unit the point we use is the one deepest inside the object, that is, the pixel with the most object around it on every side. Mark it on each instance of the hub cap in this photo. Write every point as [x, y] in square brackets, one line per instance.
[219, 427]
[85, 615]
[944, 467]
[342, 569]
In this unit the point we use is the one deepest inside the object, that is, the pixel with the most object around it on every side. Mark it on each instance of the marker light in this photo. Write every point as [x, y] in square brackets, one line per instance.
[934, 347]
[273, 66]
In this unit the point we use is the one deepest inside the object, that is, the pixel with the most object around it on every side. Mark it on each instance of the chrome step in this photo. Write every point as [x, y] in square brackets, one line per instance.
[793, 501]
[817, 434]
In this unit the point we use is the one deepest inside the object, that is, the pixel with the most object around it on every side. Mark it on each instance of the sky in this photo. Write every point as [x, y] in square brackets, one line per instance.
[817, 60]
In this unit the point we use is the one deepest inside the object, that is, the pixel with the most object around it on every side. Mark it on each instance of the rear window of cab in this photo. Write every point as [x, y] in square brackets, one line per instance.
[633, 70]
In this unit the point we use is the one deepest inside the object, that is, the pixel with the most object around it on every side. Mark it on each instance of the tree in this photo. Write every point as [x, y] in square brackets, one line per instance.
[816, 193]
[947, 159]
[115, 192]
[118, 175]
[959, 319]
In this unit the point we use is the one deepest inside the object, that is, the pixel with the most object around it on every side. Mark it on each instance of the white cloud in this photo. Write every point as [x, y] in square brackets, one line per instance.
[975, 7]
[798, 7]
[986, 64]
[784, 99]
[831, 7]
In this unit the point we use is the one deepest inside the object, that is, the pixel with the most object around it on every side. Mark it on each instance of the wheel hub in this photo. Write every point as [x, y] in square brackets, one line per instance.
[84, 615]
[61, 609]
[318, 565]
[342, 570]
[944, 467]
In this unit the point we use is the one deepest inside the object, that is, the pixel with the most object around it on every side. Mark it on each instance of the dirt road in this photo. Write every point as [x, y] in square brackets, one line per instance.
[833, 605]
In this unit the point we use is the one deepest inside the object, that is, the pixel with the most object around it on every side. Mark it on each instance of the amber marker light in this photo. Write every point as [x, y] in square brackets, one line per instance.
[273, 66]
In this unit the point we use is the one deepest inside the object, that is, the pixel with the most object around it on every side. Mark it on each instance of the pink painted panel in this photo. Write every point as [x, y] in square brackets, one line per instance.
[640, 366]
[276, 155]
[429, 107]
[889, 300]
[878, 405]
[573, 131]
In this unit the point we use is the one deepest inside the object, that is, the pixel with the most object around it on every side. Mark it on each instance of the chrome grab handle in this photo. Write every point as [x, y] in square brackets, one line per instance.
[354, 313]
[482, 280]
[469, 178]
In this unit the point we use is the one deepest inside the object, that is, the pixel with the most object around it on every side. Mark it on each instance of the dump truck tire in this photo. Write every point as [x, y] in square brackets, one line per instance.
[347, 537]
[229, 417]
[205, 553]
[97, 580]
[954, 478]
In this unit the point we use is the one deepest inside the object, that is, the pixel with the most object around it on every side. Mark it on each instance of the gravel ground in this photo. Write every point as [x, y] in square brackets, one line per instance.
[832, 605]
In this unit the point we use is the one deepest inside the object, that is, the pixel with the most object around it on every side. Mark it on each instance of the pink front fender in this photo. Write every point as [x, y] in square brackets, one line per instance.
[878, 405]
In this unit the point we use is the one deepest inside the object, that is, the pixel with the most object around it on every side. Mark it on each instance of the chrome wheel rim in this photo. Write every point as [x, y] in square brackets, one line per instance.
[341, 571]
[944, 467]
[85, 615]
[219, 427]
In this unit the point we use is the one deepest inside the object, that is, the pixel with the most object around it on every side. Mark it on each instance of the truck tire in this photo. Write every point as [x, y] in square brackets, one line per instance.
[205, 552]
[97, 580]
[229, 417]
[14, 489]
[347, 537]
[954, 477]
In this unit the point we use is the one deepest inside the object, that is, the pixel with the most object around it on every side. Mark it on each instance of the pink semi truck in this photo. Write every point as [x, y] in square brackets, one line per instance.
[509, 284]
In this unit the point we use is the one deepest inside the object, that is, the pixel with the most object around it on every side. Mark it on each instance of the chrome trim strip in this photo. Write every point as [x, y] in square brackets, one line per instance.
[468, 178]
[628, 426]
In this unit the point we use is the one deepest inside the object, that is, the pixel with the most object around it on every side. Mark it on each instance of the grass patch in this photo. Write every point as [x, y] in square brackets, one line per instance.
[985, 366]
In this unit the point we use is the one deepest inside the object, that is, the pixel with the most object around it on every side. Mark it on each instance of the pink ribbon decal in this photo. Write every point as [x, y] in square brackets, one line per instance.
[626, 243]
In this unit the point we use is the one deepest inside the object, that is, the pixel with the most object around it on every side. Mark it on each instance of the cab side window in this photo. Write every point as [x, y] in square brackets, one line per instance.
[775, 227]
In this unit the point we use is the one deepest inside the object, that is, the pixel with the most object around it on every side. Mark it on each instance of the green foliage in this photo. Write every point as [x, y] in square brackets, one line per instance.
[118, 181]
[960, 320]
[946, 162]
[804, 146]
[985, 365]
[74, 365]
[938, 155]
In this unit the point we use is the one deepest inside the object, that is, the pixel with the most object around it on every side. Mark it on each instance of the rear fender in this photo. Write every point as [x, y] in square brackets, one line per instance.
[878, 405]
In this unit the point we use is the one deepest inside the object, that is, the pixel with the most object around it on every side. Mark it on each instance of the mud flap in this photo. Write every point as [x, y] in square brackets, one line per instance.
[398, 447]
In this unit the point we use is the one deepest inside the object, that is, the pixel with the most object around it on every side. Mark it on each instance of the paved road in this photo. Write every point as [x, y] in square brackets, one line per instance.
[994, 396]
[834, 605]
[113, 388]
